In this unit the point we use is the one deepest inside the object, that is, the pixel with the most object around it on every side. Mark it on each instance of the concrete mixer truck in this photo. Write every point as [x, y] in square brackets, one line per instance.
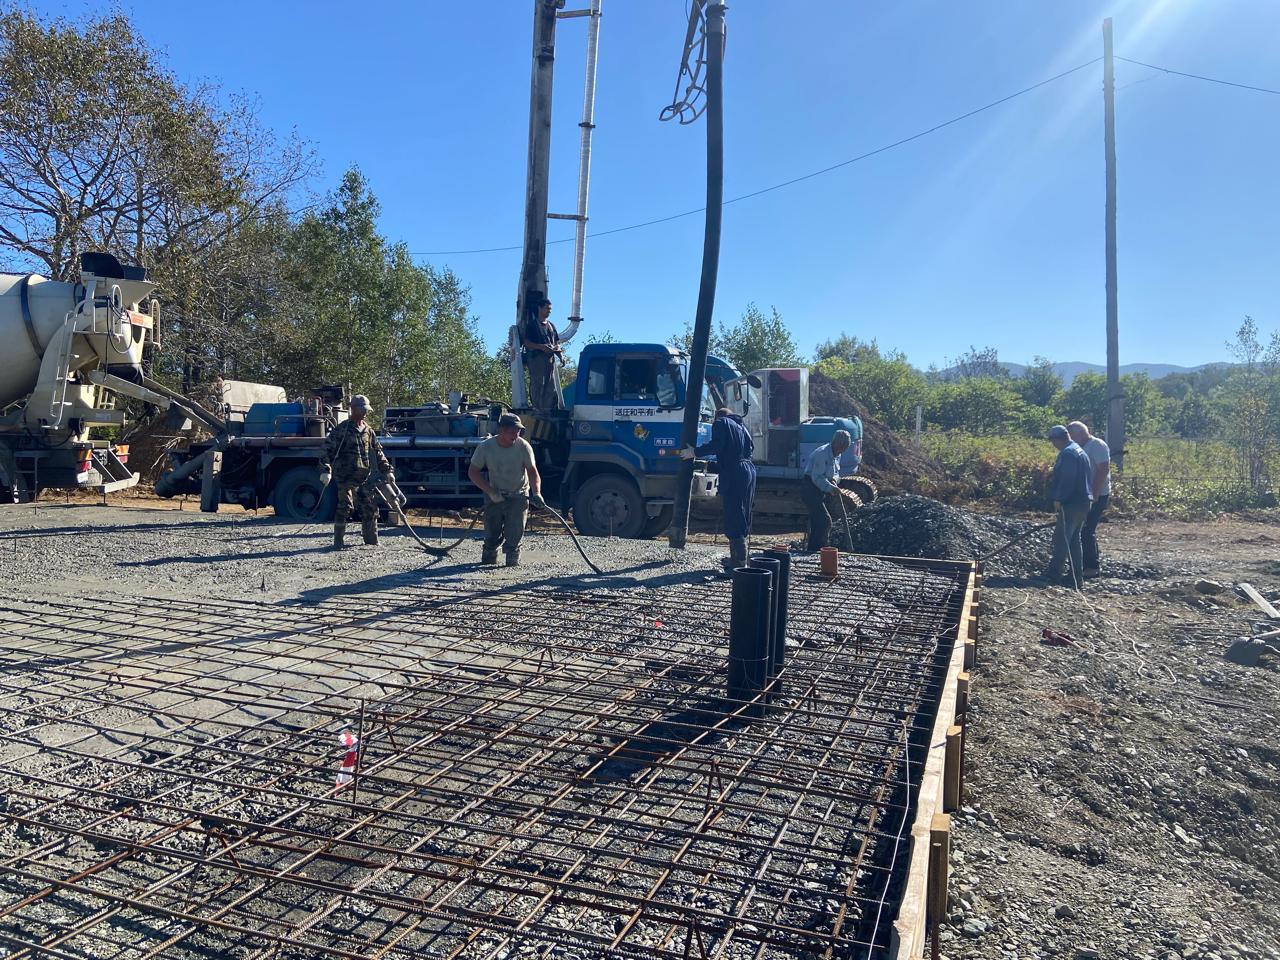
[70, 351]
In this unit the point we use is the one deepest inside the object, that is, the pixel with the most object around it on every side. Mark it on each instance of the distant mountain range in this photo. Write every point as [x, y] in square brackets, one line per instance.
[1069, 371]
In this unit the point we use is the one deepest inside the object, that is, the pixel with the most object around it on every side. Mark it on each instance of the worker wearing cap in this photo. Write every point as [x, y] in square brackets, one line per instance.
[503, 468]
[821, 480]
[731, 445]
[1099, 454]
[1071, 489]
[350, 453]
[541, 350]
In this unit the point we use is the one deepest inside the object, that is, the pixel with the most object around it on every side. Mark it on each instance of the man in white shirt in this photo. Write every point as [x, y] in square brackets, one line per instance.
[1099, 455]
[820, 479]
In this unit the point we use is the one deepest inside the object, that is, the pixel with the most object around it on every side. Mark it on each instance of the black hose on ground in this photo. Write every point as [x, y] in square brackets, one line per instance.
[569, 530]
[1018, 539]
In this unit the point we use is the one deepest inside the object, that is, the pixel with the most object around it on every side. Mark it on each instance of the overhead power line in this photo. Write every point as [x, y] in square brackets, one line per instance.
[794, 180]
[863, 156]
[1196, 76]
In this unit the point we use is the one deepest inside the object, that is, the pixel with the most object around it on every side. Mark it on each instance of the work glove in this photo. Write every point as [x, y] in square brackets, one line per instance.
[326, 476]
[391, 476]
[535, 500]
[687, 453]
[495, 496]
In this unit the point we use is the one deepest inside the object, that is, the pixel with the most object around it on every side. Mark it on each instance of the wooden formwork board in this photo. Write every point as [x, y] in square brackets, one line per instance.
[910, 928]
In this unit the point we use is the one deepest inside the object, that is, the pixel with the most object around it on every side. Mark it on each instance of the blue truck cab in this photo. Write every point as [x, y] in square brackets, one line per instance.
[624, 439]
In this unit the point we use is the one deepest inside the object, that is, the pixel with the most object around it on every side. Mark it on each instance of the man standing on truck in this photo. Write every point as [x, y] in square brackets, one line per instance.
[731, 445]
[349, 454]
[511, 485]
[820, 481]
[541, 350]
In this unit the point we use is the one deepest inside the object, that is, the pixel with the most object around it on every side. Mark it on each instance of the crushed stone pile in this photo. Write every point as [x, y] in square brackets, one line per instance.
[914, 526]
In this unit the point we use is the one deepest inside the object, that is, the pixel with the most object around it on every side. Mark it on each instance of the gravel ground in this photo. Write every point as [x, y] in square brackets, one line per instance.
[1124, 793]
[83, 548]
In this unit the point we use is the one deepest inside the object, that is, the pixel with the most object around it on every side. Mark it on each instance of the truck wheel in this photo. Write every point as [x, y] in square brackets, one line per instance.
[299, 496]
[609, 504]
[657, 526]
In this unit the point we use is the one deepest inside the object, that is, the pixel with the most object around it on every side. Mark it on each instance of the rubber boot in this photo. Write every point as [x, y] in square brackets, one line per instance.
[339, 529]
[369, 527]
[488, 559]
[737, 553]
[513, 559]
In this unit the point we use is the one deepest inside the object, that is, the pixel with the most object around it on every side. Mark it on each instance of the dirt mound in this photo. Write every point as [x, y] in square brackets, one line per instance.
[912, 526]
[896, 467]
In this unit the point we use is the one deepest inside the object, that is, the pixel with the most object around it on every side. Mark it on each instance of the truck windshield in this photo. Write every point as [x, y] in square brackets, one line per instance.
[652, 379]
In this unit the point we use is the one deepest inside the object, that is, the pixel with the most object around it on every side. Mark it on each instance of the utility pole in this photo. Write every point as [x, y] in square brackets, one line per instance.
[715, 9]
[533, 269]
[1115, 392]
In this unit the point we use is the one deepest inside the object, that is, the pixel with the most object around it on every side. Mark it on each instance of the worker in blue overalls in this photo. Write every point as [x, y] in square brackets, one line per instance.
[732, 447]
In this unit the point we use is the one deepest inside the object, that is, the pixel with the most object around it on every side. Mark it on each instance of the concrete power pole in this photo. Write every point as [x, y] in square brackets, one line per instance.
[1115, 392]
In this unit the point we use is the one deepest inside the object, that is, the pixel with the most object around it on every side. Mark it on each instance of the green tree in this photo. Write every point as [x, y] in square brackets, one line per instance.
[976, 364]
[1085, 399]
[978, 405]
[756, 341]
[102, 148]
[887, 386]
[1253, 395]
[847, 348]
[1040, 384]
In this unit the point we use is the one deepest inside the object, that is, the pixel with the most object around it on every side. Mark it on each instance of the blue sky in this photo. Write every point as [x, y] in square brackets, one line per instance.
[988, 232]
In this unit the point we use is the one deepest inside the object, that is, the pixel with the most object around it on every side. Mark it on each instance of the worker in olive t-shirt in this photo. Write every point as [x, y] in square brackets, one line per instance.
[511, 484]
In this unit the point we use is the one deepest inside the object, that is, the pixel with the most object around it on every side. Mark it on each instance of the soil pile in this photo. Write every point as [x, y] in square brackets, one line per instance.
[913, 526]
[894, 466]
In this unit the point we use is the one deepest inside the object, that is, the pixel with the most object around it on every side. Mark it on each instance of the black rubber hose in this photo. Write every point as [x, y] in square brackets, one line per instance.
[1018, 539]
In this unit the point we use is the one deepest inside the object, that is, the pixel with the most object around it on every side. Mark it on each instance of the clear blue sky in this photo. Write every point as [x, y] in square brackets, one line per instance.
[987, 233]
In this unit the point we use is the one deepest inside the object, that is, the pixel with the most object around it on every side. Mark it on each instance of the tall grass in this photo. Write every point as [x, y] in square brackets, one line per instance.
[1162, 474]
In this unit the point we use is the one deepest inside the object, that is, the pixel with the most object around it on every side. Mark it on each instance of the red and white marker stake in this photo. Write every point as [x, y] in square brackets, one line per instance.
[346, 772]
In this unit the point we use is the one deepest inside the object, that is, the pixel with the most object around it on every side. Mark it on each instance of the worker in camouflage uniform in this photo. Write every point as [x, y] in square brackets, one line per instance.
[350, 452]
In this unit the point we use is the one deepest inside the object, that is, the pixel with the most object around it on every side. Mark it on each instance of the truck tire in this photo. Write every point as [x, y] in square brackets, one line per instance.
[298, 496]
[657, 526]
[609, 504]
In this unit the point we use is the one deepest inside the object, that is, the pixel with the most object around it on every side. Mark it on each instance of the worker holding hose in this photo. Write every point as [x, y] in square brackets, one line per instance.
[503, 468]
[731, 445]
[1071, 489]
[350, 453]
[822, 476]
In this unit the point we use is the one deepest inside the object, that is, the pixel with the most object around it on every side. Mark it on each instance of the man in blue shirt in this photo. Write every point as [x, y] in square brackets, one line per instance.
[820, 480]
[732, 447]
[1071, 489]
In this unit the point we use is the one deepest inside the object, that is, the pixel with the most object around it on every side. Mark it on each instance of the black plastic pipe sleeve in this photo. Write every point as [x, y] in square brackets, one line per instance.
[749, 636]
[782, 586]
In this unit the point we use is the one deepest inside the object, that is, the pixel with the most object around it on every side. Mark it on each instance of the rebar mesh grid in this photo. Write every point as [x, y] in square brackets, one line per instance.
[542, 772]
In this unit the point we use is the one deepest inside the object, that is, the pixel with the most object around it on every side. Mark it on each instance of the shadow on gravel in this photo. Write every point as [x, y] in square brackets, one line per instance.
[659, 739]
[456, 574]
[224, 558]
[115, 526]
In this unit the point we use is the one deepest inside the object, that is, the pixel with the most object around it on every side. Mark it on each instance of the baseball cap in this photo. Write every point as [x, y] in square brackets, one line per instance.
[1057, 432]
[510, 420]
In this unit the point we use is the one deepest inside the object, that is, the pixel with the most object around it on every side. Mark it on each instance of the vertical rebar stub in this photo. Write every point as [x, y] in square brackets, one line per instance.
[749, 632]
